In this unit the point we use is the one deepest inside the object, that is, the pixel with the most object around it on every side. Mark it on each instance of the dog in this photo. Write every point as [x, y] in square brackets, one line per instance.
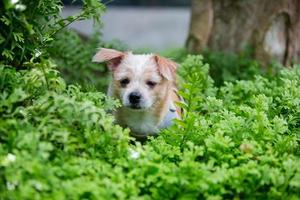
[145, 86]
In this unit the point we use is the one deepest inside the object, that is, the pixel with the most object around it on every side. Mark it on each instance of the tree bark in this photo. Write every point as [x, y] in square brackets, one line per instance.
[271, 28]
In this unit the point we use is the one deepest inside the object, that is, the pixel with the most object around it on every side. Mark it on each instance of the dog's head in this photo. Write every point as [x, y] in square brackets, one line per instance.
[139, 81]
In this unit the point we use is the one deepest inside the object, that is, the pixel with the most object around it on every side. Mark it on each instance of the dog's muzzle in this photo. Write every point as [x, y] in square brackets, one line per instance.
[135, 99]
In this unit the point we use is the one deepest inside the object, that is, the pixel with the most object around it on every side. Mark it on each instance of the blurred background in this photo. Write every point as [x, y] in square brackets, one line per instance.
[237, 38]
[152, 24]
[267, 30]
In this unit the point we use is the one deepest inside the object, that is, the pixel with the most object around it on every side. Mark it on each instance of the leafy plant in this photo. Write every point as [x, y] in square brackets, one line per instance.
[49, 132]
[227, 67]
[27, 27]
[238, 141]
[231, 67]
[73, 56]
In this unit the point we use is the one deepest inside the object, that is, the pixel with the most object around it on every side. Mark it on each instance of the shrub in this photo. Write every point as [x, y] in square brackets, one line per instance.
[238, 141]
[49, 130]
[53, 137]
[28, 27]
[73, 57]
[229, 67]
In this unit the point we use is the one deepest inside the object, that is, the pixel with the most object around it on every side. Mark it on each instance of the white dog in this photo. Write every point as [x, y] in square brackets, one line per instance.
[145, 85]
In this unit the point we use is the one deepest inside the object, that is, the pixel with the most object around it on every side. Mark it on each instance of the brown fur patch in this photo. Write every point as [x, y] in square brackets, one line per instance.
[166, 67]
[111, 56]
[161, 107]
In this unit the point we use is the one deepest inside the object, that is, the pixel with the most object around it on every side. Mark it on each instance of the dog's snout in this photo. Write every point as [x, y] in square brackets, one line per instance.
[135, 97]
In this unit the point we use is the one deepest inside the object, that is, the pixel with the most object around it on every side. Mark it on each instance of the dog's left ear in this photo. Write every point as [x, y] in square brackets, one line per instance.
[111, 56]
[166, 67]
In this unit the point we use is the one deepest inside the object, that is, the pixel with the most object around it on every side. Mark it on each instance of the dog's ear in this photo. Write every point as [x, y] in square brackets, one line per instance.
[111, 56]
[166, 67]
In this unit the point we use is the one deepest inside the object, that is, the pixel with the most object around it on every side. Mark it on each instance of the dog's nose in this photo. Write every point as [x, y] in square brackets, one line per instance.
[135, 97]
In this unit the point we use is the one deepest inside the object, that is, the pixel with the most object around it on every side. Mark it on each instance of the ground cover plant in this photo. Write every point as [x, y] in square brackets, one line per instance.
[58, 141]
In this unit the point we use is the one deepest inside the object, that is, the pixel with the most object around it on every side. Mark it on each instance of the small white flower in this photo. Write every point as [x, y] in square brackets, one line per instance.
[134, 154]
[13, 2]
[20, 7]
[8, 159]
[10, 186]
[11, 158]
[38, 185]
[37, 53]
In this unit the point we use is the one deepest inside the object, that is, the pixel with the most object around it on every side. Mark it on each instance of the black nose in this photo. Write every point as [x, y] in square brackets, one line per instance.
[135, 97]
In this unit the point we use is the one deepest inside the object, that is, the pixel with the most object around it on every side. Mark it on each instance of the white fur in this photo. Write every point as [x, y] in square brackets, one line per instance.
[142, 123]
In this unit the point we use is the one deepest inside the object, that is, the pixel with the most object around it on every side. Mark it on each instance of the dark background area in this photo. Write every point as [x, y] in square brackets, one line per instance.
[167, 3]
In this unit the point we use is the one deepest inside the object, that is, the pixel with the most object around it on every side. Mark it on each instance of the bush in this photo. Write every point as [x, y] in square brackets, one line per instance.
[238, 141]
[53, 137]
[73, 57]
[28, 27]
[228, 67]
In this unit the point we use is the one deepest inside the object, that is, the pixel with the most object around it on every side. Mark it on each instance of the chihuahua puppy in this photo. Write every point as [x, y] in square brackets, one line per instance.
[145, 86]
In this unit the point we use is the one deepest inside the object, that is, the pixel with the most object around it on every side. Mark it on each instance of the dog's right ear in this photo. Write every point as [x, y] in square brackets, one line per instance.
[166, 67]
[111, 56]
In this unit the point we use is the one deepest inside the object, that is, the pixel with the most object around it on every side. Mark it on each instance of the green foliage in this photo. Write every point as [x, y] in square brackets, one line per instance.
[239, 141]
[245, 136]
[73, 56]
[50, 132]
[228, 67]
[231, 67]
[27, 27]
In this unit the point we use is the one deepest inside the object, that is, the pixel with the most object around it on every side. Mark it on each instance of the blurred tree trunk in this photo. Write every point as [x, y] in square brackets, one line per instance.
[271, 28]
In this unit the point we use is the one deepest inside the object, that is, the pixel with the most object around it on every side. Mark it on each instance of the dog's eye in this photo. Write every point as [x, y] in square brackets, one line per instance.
[124, 82]
[151, 84]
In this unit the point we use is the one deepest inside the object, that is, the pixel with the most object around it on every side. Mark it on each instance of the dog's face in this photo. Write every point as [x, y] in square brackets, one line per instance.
[139, 81]
[136, 81]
